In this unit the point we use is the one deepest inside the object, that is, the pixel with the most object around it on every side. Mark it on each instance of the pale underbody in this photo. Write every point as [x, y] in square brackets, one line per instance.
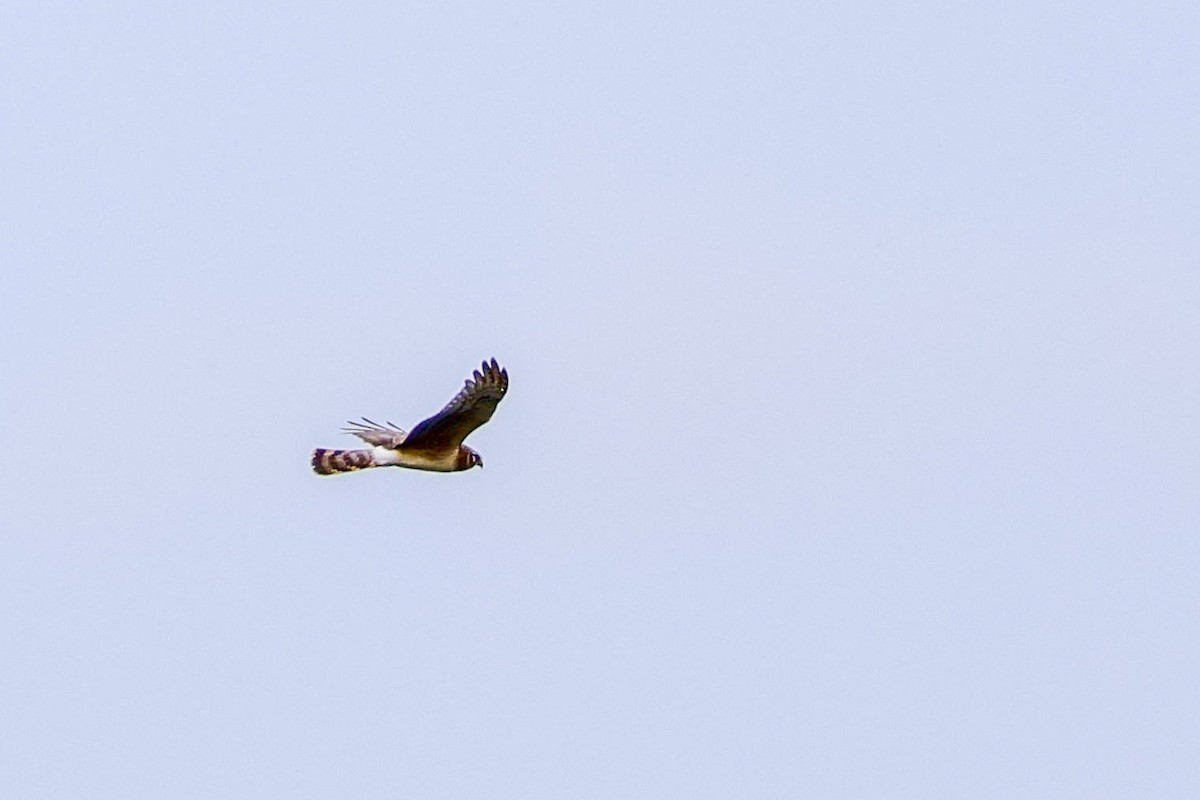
[387, 457]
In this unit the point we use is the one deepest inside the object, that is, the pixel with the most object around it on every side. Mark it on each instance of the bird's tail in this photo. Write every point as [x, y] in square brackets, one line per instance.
[328, 462]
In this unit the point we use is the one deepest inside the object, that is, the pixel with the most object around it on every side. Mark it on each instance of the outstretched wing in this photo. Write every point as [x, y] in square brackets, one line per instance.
[470, 408]
[373, 433]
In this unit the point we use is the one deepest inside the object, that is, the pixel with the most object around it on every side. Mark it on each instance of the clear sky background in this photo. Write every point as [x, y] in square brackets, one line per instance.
[852, 448]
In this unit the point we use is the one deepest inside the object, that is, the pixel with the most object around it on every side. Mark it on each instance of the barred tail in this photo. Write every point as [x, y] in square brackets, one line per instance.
[328, 462]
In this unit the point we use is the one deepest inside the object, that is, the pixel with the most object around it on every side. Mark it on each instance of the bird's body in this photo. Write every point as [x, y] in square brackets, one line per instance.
[434, 445]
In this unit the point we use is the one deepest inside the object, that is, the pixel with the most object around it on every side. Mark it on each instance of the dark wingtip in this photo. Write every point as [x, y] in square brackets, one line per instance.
[492, 368]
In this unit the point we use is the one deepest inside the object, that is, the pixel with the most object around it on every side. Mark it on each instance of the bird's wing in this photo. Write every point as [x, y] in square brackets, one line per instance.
[469, 409]
[387, 435]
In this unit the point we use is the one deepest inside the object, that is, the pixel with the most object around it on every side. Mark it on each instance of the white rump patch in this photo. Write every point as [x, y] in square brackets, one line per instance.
[384, 456]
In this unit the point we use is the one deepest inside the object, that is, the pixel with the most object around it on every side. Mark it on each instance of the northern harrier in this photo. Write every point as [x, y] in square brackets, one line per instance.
[435, 444]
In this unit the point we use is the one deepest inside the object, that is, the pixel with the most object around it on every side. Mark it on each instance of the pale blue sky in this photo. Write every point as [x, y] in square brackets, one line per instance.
[852, 444]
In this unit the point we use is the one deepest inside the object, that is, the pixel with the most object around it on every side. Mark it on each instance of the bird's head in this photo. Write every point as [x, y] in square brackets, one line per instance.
[473, 459]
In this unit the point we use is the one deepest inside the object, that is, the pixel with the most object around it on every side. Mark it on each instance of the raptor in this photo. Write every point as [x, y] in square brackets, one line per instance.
[435, 444]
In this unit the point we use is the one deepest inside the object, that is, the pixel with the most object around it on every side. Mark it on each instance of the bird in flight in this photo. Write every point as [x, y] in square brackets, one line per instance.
[436, 444]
